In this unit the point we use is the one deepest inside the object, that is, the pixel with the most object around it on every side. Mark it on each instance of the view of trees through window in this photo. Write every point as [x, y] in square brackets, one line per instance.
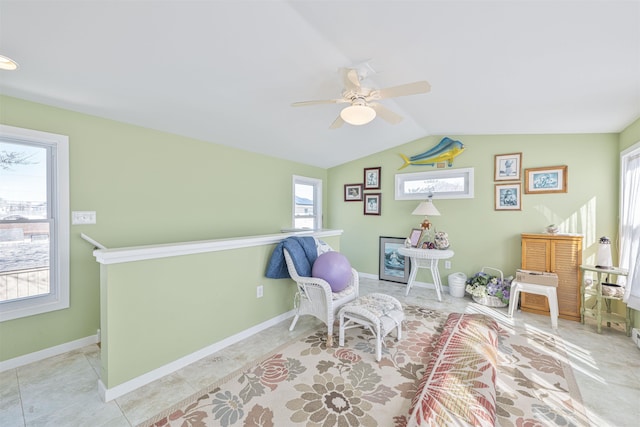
[24, 221]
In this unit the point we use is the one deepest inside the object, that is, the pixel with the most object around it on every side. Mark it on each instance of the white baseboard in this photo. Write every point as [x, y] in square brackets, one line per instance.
[108, 394]
[415, 284]
[16, 362]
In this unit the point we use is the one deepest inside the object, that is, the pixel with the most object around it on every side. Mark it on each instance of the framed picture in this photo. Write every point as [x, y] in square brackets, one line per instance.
[372, 203]
[551, 179]
[508, 197]
[507, 167]
[415, 236]
[393, 266]
[372, 178]
[352, 192]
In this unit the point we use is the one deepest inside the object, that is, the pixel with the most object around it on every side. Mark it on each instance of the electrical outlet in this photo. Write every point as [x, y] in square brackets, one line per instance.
[83, 217]
[260, 291]
[447, 265]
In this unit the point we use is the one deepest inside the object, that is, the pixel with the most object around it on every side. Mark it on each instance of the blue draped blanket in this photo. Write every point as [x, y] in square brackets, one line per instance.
[303, 252]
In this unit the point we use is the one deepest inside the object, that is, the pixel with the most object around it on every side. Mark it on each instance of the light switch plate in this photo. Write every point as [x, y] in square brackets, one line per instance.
[83, 217]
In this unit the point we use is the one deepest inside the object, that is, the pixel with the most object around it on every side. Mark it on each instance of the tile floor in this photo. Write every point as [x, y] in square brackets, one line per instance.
[62, 390]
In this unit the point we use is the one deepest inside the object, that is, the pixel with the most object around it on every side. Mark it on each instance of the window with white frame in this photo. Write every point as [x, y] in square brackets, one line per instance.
[307, 203]
[34, 222]
[630, 224]
[440, 184]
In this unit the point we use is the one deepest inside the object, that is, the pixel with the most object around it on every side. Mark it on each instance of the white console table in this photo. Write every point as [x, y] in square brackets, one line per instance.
[426, 258]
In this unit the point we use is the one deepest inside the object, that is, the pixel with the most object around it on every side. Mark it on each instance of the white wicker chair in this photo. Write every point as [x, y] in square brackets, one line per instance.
[316, 298]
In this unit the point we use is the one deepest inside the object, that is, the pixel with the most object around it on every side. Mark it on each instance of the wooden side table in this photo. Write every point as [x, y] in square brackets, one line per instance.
[426, 258]
[599, 312]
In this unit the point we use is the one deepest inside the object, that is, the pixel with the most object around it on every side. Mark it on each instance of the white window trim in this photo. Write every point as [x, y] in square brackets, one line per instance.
[629, 251]
[467, 193]
[317, 198]
[58, 299]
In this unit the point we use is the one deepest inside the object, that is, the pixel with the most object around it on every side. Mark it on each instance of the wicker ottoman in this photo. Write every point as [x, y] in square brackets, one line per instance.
[379, 312]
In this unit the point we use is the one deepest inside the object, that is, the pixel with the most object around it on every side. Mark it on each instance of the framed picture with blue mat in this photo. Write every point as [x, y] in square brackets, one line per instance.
[393, 267]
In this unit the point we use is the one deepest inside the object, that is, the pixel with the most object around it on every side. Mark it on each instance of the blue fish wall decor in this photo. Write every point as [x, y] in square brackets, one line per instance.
[446, 150]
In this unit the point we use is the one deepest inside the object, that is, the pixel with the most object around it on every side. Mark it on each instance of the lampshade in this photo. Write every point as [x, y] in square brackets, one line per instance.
[426, 208]
[358, 114]
[603, 257]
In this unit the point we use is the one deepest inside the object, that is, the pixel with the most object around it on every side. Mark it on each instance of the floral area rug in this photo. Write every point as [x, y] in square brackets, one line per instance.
[307, 384]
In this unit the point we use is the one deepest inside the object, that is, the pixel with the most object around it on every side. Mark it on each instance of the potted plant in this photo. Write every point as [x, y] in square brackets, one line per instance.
[492, 291]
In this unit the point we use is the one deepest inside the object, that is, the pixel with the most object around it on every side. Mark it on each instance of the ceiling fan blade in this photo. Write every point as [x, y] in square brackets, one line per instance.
[337, 123]
[351, 79]
[323, 101]
[386, 114]
[402, 90]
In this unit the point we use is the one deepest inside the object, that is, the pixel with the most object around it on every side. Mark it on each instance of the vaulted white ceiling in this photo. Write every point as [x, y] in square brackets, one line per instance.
[227, 71]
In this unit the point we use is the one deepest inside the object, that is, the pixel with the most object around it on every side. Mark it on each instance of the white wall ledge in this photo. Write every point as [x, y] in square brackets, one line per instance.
[139, 253]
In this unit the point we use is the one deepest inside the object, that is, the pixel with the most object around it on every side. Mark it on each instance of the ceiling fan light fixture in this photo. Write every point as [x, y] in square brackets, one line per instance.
[7, 63]
[358, 114]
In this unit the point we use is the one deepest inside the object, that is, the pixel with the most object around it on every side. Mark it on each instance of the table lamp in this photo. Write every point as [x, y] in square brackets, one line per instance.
[603, 257]
[426, 208]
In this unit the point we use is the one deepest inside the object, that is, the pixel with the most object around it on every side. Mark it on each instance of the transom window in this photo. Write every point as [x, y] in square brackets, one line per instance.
[441, 184]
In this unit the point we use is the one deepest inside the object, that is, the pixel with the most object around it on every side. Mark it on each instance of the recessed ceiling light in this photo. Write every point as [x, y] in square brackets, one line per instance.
[7, 63]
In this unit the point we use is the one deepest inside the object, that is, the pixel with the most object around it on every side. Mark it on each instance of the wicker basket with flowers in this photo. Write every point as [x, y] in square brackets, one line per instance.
[489, 290]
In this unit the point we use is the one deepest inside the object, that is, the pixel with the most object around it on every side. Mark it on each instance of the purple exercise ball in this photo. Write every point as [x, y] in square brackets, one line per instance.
[334, 268]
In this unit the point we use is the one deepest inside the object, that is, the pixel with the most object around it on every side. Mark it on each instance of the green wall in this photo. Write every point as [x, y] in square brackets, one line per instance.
[480, 235]
[147, 187]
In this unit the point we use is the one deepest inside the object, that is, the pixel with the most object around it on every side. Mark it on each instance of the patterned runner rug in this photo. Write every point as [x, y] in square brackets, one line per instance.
[306, 383]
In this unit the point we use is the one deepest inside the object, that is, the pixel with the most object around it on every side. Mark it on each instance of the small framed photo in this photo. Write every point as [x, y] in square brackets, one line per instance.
[372, 178]
[372, 203]
[508, 197]
[507, 167]
[352, 192]
[551, 179]
[393, 266]
[415, 236]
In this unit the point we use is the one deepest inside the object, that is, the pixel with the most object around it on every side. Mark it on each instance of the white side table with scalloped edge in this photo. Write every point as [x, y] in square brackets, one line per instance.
[426, 258]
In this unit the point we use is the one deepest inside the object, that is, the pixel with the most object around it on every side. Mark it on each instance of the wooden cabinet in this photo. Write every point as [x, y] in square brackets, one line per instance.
[555, 253]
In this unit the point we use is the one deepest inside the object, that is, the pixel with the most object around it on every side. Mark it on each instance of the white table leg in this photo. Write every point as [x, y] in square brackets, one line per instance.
[436, 278]
[412, 274]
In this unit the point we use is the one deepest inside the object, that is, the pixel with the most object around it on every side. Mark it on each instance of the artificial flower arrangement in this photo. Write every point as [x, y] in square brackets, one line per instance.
[485, 288]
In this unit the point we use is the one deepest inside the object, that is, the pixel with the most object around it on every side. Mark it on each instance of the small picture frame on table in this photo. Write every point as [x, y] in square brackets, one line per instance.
[508, 197]
[393, 266]
[372, 178]
[372, 203]
[550, 179]
[415, 236]
[507, 167]
[352, 192]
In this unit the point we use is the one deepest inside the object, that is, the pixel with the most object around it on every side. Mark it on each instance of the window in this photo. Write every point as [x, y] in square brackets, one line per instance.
[630, 224]
[307, 203]
[442, 184]
[34, 222]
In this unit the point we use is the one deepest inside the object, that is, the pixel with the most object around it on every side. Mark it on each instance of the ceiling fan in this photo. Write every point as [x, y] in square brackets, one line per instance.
[363, 109]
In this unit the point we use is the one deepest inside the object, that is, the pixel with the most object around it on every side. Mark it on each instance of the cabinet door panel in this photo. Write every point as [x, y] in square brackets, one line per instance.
[561, 255]
[565, 262]
[535, 255]
[535, 302]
